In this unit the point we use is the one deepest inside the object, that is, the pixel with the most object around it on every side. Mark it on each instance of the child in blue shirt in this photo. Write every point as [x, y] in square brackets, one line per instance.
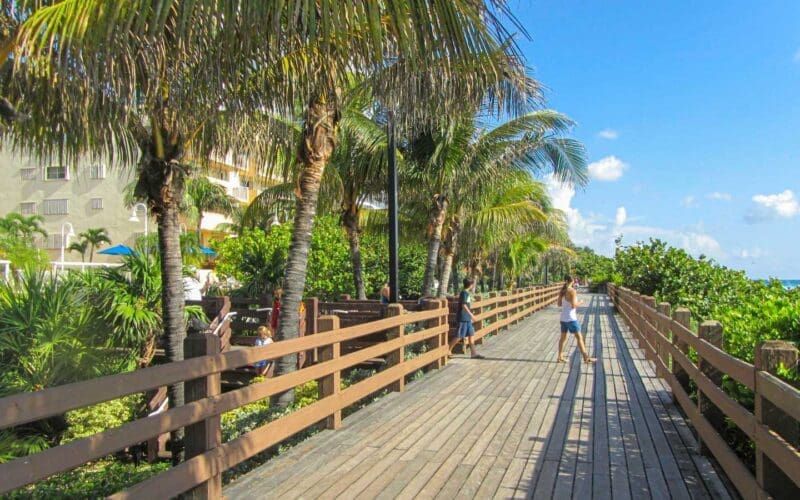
[465, 317]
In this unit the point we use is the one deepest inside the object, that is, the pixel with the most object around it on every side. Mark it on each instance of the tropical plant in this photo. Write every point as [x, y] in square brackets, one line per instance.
[257, 259]
[506, 226]
[457, 162]
[81, 247]
[205, 196]
[356, 175]
[25, 227]
[94, 238]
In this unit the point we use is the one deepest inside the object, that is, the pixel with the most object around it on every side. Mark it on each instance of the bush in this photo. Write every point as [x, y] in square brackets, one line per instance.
[750, 310]
[96, 480]
[257, 259]
[97, 418]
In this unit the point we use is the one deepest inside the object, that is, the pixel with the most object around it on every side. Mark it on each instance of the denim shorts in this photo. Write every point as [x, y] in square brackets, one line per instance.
[570, 326]
[465, 329]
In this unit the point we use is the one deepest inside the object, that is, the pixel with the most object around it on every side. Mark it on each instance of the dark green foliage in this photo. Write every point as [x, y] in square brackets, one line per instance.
[750, 310]
[96, 480]
[257, 259]
[597, 268]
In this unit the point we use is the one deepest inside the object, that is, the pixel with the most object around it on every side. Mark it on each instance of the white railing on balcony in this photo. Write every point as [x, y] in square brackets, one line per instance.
[240, 193]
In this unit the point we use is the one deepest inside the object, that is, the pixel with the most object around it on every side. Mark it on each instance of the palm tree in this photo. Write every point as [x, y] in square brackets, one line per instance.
[455, 161]
[22, 226]
[490, 214]
[81, 247]
[205, 196]
[94, 238]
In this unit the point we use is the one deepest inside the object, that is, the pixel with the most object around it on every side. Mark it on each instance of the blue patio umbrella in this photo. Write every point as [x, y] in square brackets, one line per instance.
[117, 250]
[207, 251]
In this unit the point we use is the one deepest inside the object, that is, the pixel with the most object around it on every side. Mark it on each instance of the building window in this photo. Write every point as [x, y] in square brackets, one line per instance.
[55, 207]
[56, 172]
[53, 241]
[27, 174]
[98, 171]
[27, 208]
[97, 203]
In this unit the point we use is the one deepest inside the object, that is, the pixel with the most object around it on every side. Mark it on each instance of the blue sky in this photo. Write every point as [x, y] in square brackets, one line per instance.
[690, 113]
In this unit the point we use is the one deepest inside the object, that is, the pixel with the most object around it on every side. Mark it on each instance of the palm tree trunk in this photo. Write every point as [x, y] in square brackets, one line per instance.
[449, 251]
[161, 182]
[435, 225]
[316, 148]
[91, 254]
[496, 272]
[350, 222]
[172, 303]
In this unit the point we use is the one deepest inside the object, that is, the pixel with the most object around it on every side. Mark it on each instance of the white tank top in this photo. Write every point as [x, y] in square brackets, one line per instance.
[568, 313]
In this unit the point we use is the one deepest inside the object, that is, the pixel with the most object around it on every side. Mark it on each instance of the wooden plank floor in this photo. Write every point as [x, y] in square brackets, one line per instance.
[515, 425]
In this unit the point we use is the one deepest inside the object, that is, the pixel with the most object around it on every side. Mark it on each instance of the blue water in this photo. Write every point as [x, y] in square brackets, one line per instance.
[789, 284]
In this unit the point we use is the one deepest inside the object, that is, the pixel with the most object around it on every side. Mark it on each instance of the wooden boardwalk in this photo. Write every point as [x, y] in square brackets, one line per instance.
[514, 425]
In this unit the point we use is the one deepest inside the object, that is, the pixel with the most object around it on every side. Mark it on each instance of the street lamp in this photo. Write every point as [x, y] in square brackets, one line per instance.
[135, 218]
[394, 232]
[275, 221]
[65, 239]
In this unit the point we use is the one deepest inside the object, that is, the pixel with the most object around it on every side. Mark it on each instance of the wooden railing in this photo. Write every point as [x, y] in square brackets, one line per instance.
[773, 427]
[206, 456]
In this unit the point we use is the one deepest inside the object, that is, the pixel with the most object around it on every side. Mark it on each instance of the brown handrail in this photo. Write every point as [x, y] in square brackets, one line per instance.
[204, 465]
[661, 337]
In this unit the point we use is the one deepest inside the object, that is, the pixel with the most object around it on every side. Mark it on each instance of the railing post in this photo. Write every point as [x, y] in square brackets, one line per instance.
[330, 384]
[649, 302]
[684, 317]
[476, 310]
[506, 301]
[205, 435]
[494, 307]
[769, 356]
[711, 332]
[636, 318]
[440, 340]
[396, 357]
[664, 333]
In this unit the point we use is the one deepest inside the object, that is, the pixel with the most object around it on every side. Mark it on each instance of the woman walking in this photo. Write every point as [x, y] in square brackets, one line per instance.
[568, 300]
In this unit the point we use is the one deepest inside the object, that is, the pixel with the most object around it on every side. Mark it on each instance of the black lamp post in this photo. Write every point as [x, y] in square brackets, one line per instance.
[394, 232]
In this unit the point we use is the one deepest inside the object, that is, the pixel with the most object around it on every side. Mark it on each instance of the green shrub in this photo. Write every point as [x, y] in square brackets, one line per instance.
[96, 480]
[257, 260]
[97, 418]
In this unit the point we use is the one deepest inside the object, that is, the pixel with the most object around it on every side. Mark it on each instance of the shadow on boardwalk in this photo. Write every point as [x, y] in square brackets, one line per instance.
[514, 425]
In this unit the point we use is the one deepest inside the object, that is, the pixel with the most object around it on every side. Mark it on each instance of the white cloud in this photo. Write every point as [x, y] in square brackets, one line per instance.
[582, 230]
[716, 195]
[621, 217]
[609, 134]
[694, 241]
[609, 168]
[689, 201]
[599, 232]
[773, 206]
[752, 253]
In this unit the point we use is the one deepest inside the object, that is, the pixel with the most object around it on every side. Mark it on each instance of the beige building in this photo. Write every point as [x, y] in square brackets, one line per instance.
[91, 196]
[86, 197]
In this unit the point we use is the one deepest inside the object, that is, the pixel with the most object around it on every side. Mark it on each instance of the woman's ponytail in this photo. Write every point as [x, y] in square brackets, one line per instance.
[563, 291]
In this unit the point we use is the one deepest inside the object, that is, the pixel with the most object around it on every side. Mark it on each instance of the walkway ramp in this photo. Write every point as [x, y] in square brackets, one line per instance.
[514, 425]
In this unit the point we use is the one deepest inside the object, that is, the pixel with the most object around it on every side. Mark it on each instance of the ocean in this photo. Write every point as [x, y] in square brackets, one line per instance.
[789, 284]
